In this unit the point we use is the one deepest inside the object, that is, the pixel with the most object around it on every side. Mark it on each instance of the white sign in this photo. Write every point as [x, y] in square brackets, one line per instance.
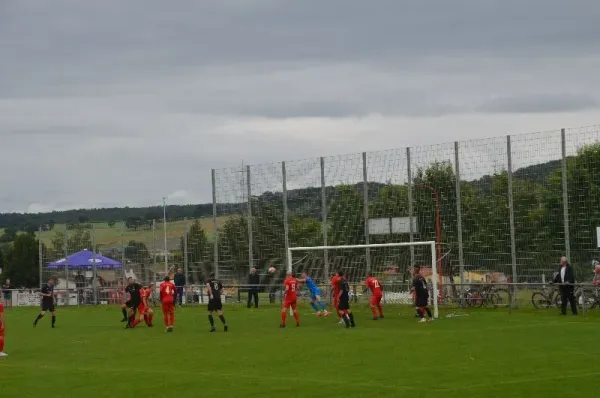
[598, 236]
[30, 298]
[393, 225]
[401, 225]
[379, 226]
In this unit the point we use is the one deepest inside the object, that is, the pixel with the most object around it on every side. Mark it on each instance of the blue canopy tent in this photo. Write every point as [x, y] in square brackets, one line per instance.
[85, 259]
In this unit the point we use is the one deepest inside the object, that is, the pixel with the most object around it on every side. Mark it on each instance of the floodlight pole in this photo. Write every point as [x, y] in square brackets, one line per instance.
[165, 234]
[438, 234]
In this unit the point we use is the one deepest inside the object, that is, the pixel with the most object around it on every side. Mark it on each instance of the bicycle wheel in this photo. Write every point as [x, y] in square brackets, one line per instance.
[557, 300]
[500, 298]
[540, 301]
[590, 300]
[477, 300]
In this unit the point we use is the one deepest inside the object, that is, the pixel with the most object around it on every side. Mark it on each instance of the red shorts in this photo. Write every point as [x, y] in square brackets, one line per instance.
[2, 332]
[290, 303]
[168, 307]
[375, 300]
[142, 309]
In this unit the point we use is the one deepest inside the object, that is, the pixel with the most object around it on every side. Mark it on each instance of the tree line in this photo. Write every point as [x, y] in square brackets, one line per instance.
[486, 240]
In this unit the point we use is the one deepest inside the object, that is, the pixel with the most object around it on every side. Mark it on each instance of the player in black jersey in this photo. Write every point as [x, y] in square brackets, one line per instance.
[214, 288]
[344, 301]
[133, 291]
[47, 294]
[419, 288]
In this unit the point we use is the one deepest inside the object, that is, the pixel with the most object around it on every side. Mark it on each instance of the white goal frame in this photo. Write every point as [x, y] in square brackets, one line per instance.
[431, 244]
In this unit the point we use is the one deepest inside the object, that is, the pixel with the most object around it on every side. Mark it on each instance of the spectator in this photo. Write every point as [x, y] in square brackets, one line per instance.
[566, 278]
[596, 280]
[254, 282]
[6, 293]
[179, 280]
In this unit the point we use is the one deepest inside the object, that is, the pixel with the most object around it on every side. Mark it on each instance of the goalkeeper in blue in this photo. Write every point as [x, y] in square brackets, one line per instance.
[315, 295]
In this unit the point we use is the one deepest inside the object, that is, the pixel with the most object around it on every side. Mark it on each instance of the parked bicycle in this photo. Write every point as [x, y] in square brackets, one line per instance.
[547, 298]
[487, 296]
[591, 298]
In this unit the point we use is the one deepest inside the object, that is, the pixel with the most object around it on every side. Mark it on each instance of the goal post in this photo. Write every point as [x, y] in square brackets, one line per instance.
[429, 258]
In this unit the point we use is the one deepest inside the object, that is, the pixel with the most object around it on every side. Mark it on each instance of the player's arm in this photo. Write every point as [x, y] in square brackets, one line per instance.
[210, 292]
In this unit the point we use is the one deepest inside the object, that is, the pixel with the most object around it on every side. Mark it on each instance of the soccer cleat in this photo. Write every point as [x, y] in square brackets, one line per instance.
[380, 316]
[169, 329]
[423, 320]
[281, 326]
[341, 322]
[150, 326]
[297, 325]
[3, 354]
[225, 328]
[318, 313]
[375, 318]
[213, 329]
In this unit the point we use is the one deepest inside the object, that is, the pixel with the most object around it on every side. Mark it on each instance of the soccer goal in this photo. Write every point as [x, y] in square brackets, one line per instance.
[391, 263]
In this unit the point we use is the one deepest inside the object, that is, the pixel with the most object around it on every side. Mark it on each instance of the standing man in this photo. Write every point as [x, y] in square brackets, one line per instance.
[167, 295]
[291, 299]
[214, 288]
[566, 278]
[179, 280]
[6, 293]
[47, 294]
[253, 281]
[2, 353]
[344, 301]
[421, 294]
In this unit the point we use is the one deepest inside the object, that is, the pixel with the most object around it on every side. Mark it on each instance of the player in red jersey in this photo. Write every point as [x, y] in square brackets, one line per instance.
[167, 299]
[2, 353]
[142, 308]
[376, 295]
[291, 287]
[335, 286]
[148, 313]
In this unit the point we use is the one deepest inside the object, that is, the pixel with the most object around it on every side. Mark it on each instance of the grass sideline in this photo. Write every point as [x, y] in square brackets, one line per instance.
[488, 353]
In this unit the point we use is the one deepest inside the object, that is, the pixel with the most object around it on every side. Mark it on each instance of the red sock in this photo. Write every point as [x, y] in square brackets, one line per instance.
[146, 319]
[1, 344]
[150, 317]
[297, 318]
[380, 309]
[373, 311]
[283, 316]
[135, 323]
[166, 319]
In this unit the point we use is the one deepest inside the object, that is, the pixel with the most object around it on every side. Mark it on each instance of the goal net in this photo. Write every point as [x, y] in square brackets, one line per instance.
[391, 263]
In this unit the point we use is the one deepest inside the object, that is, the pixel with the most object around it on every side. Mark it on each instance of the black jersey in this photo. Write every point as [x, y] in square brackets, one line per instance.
[134, 291]
[48, 300]
[216, 286]
[344, 289]
[420, 286]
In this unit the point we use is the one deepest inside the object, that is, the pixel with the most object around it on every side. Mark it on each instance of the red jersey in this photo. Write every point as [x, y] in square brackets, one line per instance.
[374, 285]
[167, 292]
[145, 293]
[335, 282]
[291, 286]
[1, 323]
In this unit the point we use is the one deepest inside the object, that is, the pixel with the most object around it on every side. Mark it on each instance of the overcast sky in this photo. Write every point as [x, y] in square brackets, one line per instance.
[114, 103]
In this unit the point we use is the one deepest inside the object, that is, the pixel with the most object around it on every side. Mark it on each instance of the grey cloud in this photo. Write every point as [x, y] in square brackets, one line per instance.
[540, 103]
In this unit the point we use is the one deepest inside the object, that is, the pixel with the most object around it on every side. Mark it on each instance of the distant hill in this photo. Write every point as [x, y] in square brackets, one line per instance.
[302, 202]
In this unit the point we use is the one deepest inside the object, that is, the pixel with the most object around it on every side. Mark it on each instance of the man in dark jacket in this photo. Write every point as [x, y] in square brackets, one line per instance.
[179, 281]
[566, 279]
[253, 282]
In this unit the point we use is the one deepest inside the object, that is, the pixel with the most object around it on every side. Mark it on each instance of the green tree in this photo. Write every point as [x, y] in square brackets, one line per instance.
[233, 240]
[199, 252]
[346, 217]
[22, 261]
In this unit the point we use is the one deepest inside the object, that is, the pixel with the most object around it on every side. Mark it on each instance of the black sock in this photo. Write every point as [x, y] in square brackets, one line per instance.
[53, 319]
[351, 315]
[346, 319]
[222, 318]
[428, 312]
[124, 313]
[40, 316]
[212, 321]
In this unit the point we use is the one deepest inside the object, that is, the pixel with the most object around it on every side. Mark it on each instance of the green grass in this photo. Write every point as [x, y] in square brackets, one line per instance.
[486, 354]
[111, 237]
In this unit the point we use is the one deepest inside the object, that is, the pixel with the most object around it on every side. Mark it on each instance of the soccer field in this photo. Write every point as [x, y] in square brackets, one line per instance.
[485, 354]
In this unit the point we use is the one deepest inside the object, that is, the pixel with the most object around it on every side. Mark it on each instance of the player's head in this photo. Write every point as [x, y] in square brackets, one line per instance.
[597, 268]
[369, 274]
[289, 274]
[211, 275]
[416, 270]
[50, 282]
[304, 275]
[340, 274]
[252, 270]
[166, 278]
[151, 285]
[179, 271]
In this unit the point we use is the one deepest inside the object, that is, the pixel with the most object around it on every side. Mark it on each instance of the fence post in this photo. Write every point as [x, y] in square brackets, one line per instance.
[461, 259]
[565, 193]
[41, 258]
[66, 250]
[123, 259]
[511, 220]
[250, 238]
[366, 209]
[411, 234]
[215, 228]
[324, 217]
[286, 227]
[94, 267]
[185, 259]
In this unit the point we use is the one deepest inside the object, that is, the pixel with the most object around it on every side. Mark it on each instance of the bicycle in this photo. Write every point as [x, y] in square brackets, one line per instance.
[546, 298]
[487, 295]
[592, 297]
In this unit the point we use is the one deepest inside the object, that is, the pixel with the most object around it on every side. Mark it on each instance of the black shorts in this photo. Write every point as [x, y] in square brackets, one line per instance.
[344, 304]
[422, 302]
[48, 307]
[215, 304]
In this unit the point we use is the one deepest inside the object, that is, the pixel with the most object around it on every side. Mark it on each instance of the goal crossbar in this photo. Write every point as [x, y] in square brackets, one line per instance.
[431, 244]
